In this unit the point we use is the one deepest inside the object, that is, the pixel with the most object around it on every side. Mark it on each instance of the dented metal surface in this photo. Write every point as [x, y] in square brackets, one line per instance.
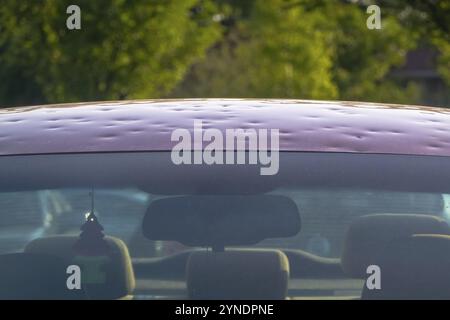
[323, 126]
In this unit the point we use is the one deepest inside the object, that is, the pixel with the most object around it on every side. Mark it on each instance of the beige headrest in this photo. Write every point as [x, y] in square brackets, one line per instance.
[369, 235]
[238, 274]
[415, 267]
[118, 279]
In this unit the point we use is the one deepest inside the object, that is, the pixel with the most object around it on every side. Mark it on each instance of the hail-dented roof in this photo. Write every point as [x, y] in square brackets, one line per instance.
[324, 126]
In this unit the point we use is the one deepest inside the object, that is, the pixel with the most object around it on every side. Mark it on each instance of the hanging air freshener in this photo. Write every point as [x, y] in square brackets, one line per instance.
[92, 254]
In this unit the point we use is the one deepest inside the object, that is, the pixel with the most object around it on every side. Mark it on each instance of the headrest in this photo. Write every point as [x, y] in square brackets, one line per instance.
[369, 235]
[26, 276]
[237, 274]
[116, 278]
[415, 267]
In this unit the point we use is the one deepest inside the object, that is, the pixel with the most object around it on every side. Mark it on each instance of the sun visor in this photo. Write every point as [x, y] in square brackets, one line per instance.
[219, 220]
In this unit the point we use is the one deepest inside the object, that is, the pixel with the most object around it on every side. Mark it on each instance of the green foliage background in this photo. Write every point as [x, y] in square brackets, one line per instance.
[127, 49]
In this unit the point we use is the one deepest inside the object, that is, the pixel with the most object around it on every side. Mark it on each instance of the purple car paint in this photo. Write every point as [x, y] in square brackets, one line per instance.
[321, 126]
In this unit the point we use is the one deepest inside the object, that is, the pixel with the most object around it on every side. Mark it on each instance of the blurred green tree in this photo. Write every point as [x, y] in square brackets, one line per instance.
[125, 49]
[428, 20]
[272, 53]
[318, 49]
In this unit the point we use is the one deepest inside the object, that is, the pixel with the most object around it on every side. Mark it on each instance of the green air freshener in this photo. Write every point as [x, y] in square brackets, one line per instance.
[92, 255]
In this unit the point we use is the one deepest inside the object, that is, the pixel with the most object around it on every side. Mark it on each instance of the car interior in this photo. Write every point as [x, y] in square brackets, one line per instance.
[312, 232]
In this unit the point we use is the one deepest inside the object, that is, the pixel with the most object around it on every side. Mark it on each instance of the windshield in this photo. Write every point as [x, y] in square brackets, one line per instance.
[328, 192]
[326, 215]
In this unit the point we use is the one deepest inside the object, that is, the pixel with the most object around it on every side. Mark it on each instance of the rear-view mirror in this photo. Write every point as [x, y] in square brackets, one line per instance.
[220, 220]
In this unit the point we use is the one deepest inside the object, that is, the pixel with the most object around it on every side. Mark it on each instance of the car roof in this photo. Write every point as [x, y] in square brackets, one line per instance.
[147, 125]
